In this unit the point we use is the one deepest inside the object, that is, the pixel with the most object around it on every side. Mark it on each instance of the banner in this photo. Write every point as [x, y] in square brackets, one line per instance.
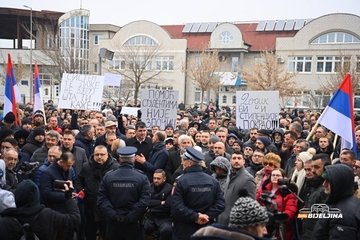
[258, 109]
[130, 111]
[113, 80]
[82, 92]
[159, 107]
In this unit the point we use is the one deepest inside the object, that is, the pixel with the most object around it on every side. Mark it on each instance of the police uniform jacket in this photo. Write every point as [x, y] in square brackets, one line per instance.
[194, 192]
[124, 191]
[89, 179]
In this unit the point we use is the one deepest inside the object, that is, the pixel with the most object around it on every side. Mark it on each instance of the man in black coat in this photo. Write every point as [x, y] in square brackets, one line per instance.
[85, 140]
[158, 216]
[196, 197]
[88, 182]
[124, 195]
[339, 186]
[43, 221]
[142, 143]
[34, 141]
[158, 156]
[59, 170]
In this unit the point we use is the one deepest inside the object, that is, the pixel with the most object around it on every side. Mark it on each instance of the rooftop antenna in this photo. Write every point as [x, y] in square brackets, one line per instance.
[80, 4]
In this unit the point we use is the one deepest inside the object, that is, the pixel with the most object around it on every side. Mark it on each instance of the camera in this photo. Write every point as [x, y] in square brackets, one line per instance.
[284, 181]
[27, 168]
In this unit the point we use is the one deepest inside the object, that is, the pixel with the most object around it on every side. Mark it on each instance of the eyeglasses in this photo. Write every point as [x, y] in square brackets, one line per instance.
[100, 154]
[276, 175]
[268, 163]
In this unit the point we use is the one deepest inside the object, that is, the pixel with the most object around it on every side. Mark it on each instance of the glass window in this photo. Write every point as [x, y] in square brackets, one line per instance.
[226, 37]
[224, 99]
[234, 100]
[24, 82]
[46, 92]
[331, 37]
[336, 37]
[165, 63]
[234, 64]
[141, 40]
[118, 63]
[97, 38]
[197, 96]
[332, 64]
[300, 64]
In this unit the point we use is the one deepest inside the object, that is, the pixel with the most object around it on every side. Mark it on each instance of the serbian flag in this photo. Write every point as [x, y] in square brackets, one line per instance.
[338, 115]
[12, 93]
[38, 100]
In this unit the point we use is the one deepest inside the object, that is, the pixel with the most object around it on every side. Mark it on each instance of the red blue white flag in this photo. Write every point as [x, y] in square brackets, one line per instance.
[38, 100]
[338, 115]
[12, 93]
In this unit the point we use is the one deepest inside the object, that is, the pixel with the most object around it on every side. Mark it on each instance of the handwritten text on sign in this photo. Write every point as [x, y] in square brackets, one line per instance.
[258, 109]
[159, 107]
[81, 92]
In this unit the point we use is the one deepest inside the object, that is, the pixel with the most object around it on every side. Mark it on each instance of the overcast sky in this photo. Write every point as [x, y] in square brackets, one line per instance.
[167, 12]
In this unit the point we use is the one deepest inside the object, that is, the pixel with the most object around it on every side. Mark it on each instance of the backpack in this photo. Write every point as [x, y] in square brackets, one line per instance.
[28, 234]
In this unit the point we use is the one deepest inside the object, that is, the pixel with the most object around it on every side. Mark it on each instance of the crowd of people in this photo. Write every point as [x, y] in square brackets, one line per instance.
[106, 175]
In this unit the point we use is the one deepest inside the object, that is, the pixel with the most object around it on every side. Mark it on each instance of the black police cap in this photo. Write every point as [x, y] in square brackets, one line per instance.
[193, 154]
[127, 151]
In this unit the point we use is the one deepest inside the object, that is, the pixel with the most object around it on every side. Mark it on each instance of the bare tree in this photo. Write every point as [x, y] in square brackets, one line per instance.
[203, 70]
[343, 67]
[136, 67]
[269, 74]
[19, 70]
[123, 93]
[57, 57]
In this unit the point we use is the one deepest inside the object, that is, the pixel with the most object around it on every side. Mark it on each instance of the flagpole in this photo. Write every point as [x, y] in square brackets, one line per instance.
[334, 145]
[312, 131]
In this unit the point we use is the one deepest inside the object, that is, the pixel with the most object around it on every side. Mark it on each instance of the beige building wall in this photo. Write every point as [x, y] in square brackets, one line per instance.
[172, 79]
[301, 45]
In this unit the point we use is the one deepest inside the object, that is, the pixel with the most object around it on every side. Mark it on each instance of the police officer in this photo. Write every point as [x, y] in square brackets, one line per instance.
[124, 195]
[196, 197]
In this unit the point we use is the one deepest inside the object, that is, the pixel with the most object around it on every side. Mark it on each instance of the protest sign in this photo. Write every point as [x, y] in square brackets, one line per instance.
[130, 111]
[82, 92]
[159, 107]
[258, 109]
[112, 80]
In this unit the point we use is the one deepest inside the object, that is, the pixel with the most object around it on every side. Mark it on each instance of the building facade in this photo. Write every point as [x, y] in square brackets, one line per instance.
[148, 55]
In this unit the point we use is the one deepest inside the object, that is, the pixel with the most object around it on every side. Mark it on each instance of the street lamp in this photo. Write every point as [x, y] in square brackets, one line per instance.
[31, 48]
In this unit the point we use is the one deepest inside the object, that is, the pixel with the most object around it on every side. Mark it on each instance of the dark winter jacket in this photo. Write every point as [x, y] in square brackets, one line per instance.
[254, 168]
[341, 197]
[42, 168]
[221, 232]
[89, 180]
[316, 195]
[80, 158]
[209, 157]
[31, 145]
[278, 144]
[40, 155]
[157, 160]
[53, 199]
[159, 194]
[28, 207]
[223, 163]
[87, 145]
[172, 165]
[145, 147]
